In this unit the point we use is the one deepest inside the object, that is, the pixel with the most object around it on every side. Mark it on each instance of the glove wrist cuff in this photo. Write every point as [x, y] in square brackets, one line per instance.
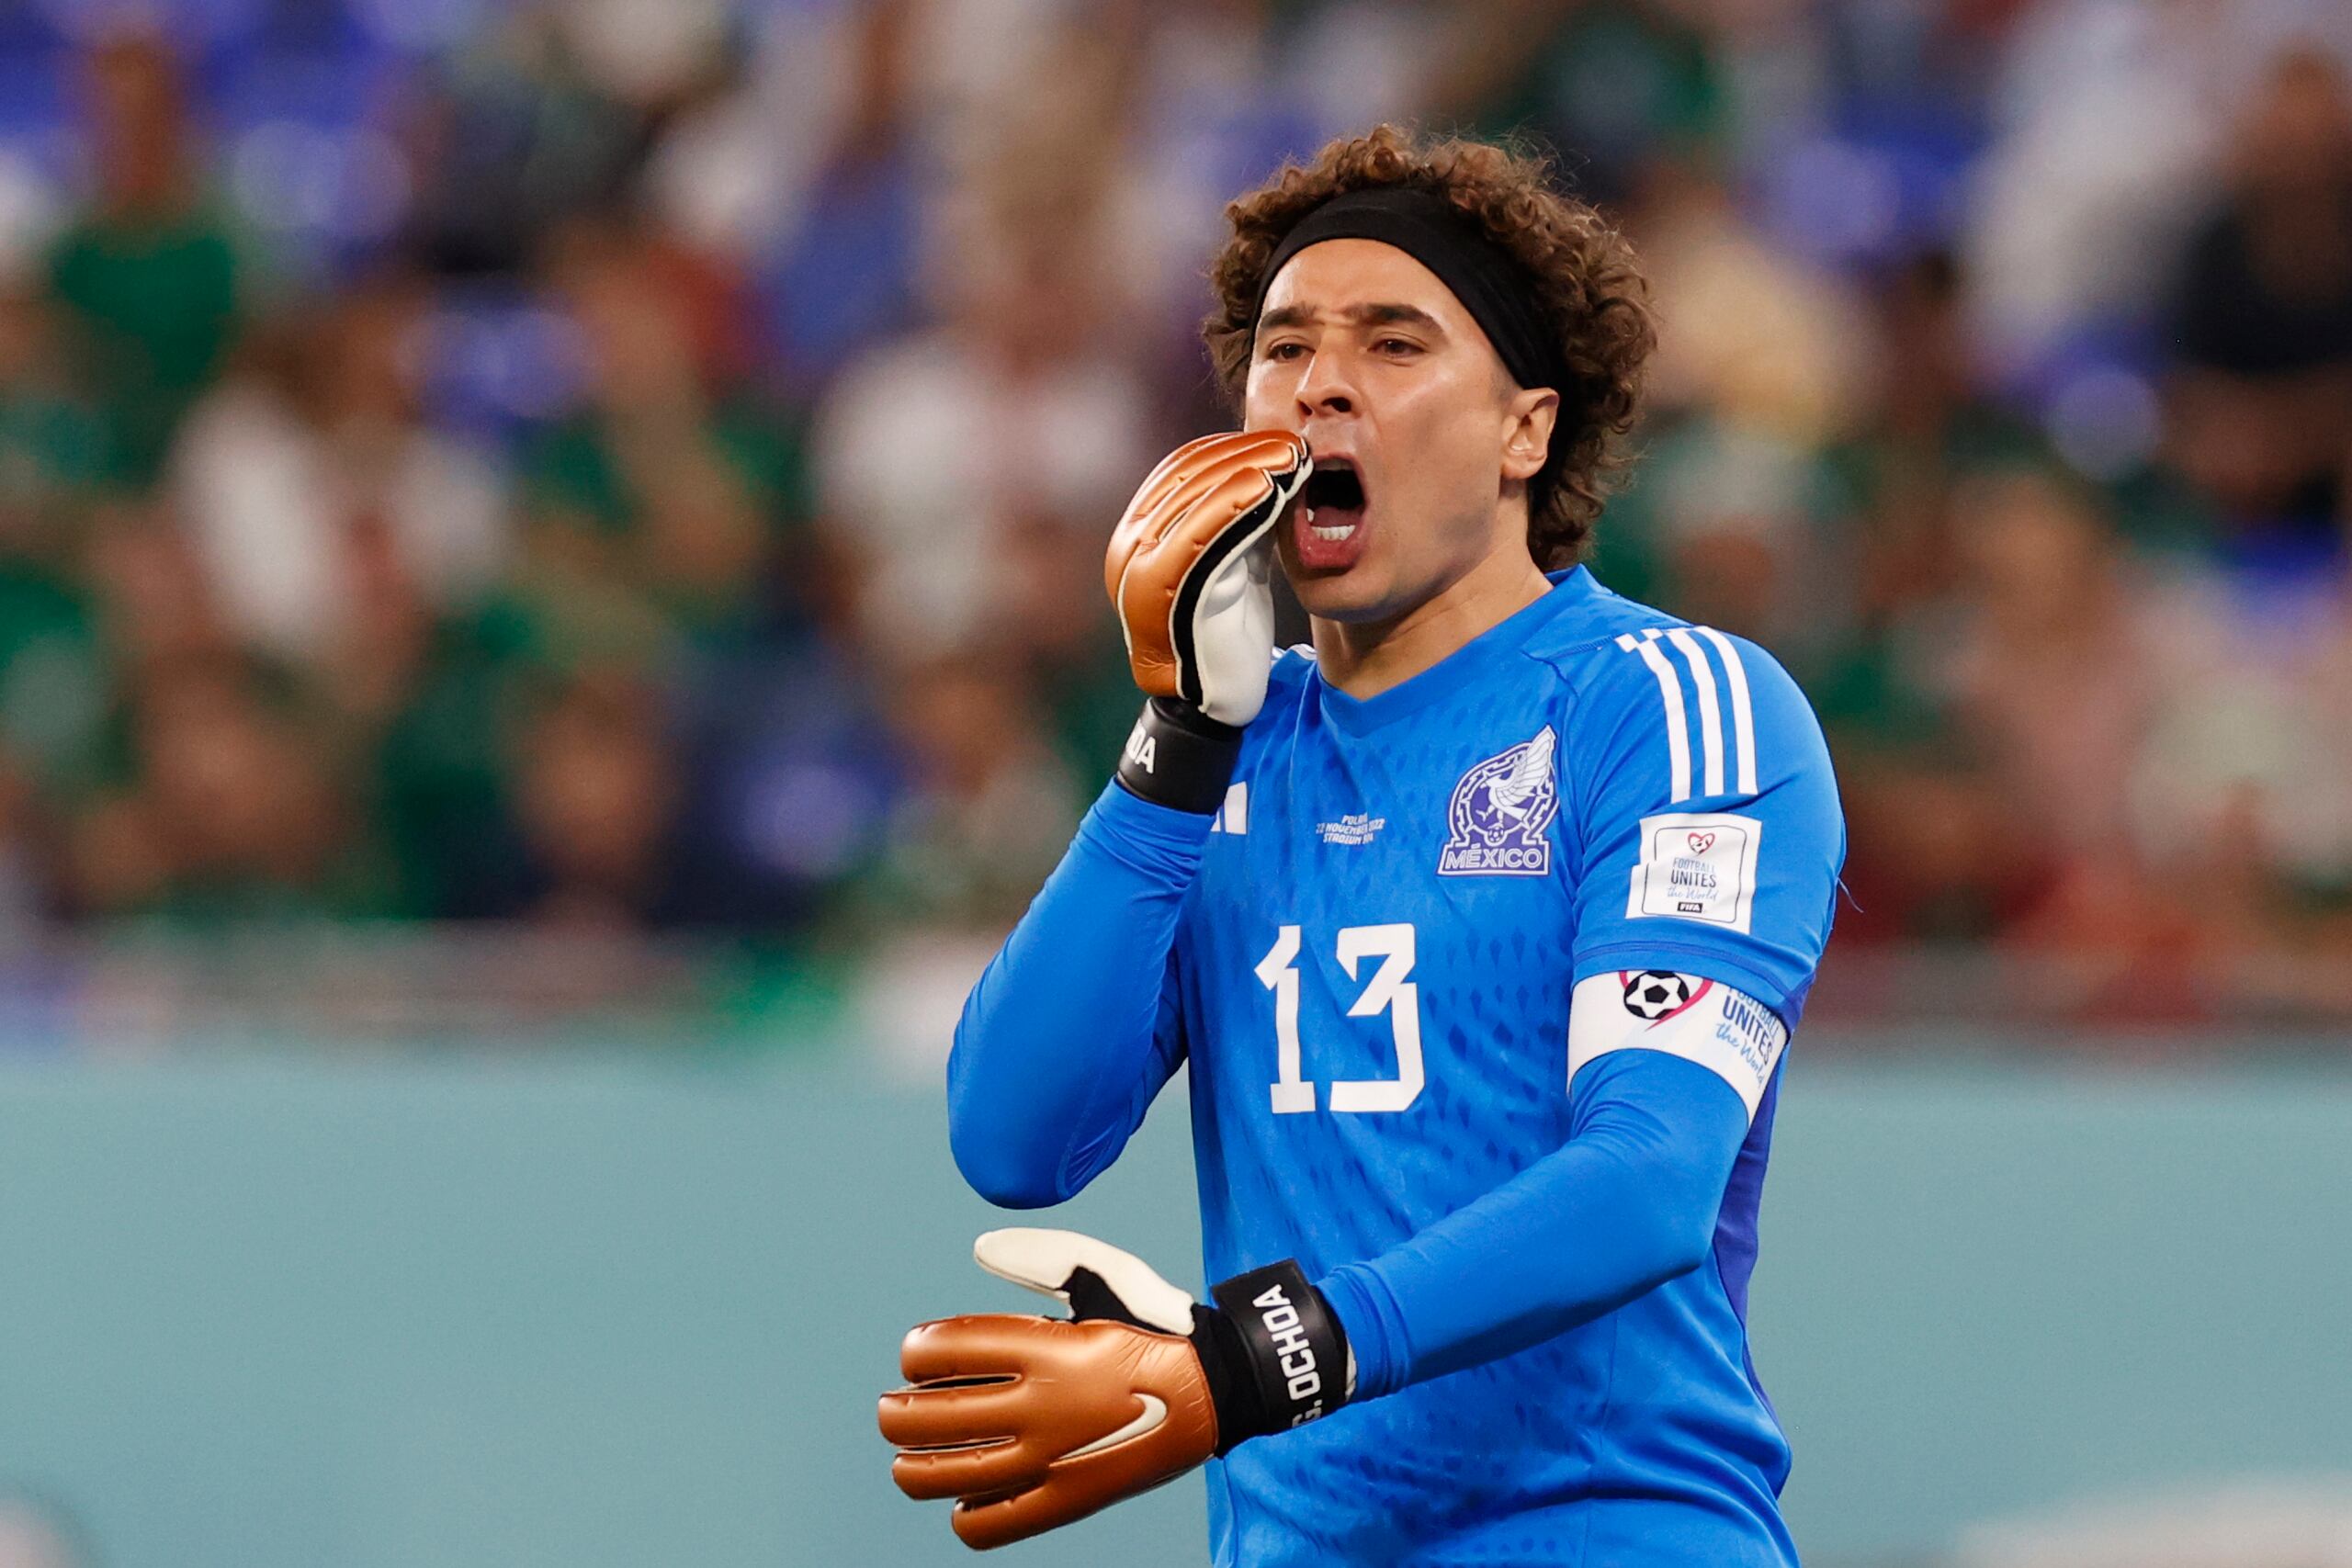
[1276, 1356]
[1179, 757]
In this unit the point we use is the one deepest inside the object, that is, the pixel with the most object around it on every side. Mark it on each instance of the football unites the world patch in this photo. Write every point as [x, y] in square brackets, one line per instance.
[1498, 820]
[1697, 865]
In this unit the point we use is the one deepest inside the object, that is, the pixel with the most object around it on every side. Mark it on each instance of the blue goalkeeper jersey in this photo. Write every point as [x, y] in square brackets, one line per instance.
[1371, 980]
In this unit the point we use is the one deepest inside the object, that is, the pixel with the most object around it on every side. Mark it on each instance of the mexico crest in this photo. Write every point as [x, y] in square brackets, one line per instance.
[1500, 812]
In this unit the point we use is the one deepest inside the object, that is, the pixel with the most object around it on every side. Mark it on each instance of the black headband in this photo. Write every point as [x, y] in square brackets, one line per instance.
[1492, 286]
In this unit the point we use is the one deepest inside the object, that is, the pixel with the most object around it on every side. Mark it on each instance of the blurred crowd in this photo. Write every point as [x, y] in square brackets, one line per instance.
[643, 464]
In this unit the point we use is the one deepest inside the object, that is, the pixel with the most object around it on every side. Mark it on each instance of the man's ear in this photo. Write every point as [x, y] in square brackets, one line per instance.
[1527, 435]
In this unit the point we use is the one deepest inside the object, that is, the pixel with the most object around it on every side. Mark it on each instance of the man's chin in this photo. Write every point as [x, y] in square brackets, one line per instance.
[1355, 595]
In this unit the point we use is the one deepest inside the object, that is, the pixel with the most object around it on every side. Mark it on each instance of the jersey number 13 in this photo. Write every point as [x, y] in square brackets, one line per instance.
[1387, 991]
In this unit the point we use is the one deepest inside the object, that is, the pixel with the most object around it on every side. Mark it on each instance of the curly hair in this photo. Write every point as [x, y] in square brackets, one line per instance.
[1588, 284]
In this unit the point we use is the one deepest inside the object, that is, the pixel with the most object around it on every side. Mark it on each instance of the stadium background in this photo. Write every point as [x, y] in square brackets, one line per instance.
[550, 614]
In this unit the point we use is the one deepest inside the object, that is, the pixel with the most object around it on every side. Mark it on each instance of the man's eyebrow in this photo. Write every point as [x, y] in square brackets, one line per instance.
[1380, 314]
[1395, 316]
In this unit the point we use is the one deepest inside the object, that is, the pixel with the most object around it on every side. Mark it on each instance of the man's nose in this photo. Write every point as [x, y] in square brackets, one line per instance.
[1329, 386]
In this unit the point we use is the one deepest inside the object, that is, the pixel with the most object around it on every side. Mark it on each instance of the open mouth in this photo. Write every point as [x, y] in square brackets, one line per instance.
[1333, 499]
[1330, 531]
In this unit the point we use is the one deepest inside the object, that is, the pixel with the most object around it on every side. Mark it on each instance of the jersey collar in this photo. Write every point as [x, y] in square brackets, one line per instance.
[1358, 715]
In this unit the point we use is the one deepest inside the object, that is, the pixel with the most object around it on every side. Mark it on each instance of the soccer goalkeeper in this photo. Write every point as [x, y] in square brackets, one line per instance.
[1483, 924]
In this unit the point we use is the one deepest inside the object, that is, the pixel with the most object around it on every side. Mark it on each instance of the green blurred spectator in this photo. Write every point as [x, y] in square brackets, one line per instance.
[1613, 85]
[666, 486]
[992, 807]
[227, 809]
[219, 795]
[53, 677]
[149, 270]
[1887, 495]
[438, 790]
[52, 441]
[52, 452]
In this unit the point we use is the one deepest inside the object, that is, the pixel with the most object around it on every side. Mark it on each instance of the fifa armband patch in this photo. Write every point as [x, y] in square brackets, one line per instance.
[1697, 865]
[1726, 1031]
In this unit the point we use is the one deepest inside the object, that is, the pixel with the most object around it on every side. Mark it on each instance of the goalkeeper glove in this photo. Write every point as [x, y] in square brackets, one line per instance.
[1190, 572]
[1033, 1422]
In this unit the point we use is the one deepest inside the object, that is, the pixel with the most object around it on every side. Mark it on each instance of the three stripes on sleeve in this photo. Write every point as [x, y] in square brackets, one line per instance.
[1711, 695]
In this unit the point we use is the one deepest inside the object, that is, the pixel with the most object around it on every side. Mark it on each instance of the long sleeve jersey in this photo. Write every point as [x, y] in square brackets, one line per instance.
[1484, 983]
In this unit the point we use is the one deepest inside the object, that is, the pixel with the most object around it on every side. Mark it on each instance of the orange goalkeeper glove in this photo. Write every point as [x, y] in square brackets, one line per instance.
[1190, 572]
[1033, 1422]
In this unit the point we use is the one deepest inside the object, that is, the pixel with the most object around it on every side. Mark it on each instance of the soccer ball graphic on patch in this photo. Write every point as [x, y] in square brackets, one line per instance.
[1654, 993]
